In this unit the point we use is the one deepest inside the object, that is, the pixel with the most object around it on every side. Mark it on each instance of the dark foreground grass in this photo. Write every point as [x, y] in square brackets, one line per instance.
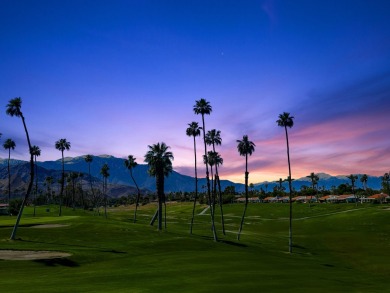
[337, 248]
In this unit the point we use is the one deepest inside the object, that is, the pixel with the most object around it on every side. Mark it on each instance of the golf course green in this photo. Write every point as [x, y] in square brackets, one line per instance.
[337, 248]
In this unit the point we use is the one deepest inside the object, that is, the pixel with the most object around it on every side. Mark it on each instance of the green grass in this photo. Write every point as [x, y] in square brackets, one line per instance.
[337, 248]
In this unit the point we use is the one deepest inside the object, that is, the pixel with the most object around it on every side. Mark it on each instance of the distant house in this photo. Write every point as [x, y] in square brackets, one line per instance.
[304, 198]
[348, 198]
[328, 198]
[3, 208]
[379, 198]
[250, 199]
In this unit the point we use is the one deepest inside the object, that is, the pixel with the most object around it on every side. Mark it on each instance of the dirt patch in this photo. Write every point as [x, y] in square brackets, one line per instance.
[45, 226]
[31, 254]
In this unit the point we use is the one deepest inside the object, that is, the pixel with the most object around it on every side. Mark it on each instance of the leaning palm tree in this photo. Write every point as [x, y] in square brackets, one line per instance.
[245, 147]
[88, 159]
[14, 109]
[130, 164]
[203, 107]
[159, 160]
[285, 120]
[36, 151]
[213, 138]
[9, 145]
[104, 172]
[314, 180]
[62, 145]
[194, 131]
[353, 179]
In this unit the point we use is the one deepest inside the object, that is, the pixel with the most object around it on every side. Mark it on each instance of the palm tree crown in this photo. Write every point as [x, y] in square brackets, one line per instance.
[213, 137]
[88, 158]
[285, 120]
[157, 157]
[202, 107]
[62, 144]
[35, 151]
[193, 129]
[245, 146]
[9, 144]
[14, 106]
[130, 163]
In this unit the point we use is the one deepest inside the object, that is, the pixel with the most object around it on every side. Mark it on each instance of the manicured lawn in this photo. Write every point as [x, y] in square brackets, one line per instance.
[338, 248]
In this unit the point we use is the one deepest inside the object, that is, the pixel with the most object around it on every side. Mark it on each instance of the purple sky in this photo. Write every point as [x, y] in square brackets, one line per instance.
[115, 76]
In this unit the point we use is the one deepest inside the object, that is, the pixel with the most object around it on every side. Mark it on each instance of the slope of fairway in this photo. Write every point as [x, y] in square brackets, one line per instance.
[339, 248]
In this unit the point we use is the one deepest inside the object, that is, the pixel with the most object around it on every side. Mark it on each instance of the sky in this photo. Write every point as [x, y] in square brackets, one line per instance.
[113, 77]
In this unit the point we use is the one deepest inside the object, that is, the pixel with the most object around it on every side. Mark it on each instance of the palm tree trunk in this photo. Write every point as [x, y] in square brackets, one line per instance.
[219, 195]
[196, 189]
[290, 197]
[246, 197]
[36, 184]
[30, 184]
[9, 182]
[62, 183]
[208, 181]
[105, 198]
[138, 196]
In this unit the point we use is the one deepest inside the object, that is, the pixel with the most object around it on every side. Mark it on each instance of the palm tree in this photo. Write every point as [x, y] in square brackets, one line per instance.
[159, 160]
[88, 159]
[353, 178]
[203, 107]
[130, 164]
[62, 145]
[9, 145]
[213, 138]
[314, 180]
[49, 181]
[14, 109]
[285, 120]
[364, 180]
[104, 172]
[36, 151]
[245, 147]
[194, 131]
[385, 182]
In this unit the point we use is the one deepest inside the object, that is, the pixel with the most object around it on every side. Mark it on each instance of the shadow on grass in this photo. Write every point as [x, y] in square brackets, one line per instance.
[233, 243]
[114, 251]
[58, 262]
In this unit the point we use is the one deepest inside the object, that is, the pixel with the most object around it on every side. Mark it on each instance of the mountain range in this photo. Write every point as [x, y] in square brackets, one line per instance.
[120, 176]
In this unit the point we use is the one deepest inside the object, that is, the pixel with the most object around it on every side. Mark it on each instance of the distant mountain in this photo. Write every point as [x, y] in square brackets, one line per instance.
[119, 175]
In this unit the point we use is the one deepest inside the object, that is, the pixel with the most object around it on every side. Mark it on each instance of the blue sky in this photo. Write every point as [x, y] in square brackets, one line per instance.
[115, 76]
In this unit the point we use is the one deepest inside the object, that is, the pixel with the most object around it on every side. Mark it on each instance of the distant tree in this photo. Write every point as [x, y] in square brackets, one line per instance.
[285, 120]
[88, 159]
[48, 182]
[353, 179]
[104, 172]
[203, 107]
[73, 177]
[194, 131]
[9, 145]
[213, 138]
[386, 182]
[245, 147]
[130, 164]
[62, 145]
[14, 109]
[363, 180]
[36, 152]
[159, 160]
[314, 181]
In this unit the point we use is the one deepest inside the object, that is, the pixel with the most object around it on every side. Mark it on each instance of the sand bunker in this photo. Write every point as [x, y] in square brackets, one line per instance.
[31, 254]
[45, 226]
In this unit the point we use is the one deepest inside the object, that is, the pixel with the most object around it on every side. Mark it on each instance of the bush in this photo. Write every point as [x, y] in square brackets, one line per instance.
[15, 205]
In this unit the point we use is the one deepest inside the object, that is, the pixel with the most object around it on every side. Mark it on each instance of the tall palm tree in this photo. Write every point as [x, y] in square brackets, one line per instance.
[104, 172]
[213, 138]
[203, 107]
[245, 147]
[159, 160]
[363, 180]
[353, 179]
[194, 131]
[36, 151]
[130, 164]
[88, 159]
[285, 120]
[9, 145]
[14, 107]
[314, 180]
[62, 145]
